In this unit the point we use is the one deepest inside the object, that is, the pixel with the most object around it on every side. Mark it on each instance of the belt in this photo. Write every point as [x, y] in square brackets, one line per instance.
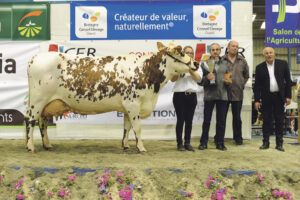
[189, 93]
[185, 93]
[274, 93]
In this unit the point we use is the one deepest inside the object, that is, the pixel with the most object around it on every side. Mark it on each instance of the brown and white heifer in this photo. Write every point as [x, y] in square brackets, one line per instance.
[91, 85]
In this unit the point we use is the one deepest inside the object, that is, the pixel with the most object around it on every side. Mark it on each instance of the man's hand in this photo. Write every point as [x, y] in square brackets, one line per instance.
[211, 76]
[287, 101]
[257, 106]
[228, 81]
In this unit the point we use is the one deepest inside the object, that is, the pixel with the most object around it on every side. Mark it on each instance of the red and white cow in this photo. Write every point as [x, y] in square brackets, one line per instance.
[91, 85]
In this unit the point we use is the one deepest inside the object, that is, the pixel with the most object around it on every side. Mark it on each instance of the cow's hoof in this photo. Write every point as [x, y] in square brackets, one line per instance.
[50, 148]
[142, 151]
[30, 150]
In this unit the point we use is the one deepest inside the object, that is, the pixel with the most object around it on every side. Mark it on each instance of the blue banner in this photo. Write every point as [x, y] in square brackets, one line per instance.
[151, 20]
[282, 23]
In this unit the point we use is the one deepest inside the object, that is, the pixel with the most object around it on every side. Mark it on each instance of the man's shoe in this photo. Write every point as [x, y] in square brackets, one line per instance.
[189, 147]
[238, 143]
[180, 148]
[221, 147]
[279, 148]
[202, 146]
[264, 146]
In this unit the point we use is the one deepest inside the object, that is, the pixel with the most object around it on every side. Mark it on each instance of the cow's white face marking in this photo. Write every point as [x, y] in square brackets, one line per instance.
[176, 58]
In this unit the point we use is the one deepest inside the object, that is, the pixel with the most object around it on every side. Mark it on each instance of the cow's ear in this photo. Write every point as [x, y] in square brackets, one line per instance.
[178, 49]
[160, 46]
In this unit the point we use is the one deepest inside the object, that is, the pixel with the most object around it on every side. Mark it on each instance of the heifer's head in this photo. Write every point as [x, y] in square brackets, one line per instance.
[178, 61]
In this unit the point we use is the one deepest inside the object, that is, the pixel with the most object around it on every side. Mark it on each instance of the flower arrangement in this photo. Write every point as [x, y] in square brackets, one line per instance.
[275, 194]
[63, 192]
[71, 180]
[259, 178]
[127, 187]
[219, 194]
[126, 193]
[182, 194]
[104, 182]
[19, 188]
[283, 194]
[215, 183]
[125, 177]
[126, 181]
[186, 195]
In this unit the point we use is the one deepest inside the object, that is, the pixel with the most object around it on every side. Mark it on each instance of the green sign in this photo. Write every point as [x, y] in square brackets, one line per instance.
[5, 22]
[25, 21]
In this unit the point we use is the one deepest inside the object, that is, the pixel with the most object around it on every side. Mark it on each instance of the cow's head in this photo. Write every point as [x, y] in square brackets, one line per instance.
[179, 61]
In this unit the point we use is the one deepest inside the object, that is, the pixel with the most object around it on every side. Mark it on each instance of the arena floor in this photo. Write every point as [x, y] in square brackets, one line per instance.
[159, 173]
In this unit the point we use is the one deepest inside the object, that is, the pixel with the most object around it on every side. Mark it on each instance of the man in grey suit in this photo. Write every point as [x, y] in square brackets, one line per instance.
[272, 89]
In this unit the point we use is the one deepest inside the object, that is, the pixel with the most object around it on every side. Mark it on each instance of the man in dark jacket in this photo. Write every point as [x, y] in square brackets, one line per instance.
[239, 68]
[272, 89]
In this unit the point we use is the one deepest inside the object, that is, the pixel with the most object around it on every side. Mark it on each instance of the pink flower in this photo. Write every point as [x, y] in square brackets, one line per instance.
[125, 194]
[107, 173]
[72, 177]
[259, 176]
[19, 196]
[275, 192]
[1, 178]
[219, 197]
[207, 183]
[50, 193]
[120, 180]
[18, 185]
[190, 194]
[101, 179]
[119, 173]
[288, 193]
[68, 193]
[106, 178]
[212, 196]
[62, 193]
[210, 177]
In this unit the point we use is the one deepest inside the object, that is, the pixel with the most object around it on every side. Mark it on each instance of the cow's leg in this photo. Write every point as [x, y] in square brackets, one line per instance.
[29, 135]
[133, 111]
[34, 112]
[136, 125]
[29, 126]
[26, 121]
[43, 124]
[127, 127]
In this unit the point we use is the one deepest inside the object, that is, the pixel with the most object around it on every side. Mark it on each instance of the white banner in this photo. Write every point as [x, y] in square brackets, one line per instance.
[14, 57]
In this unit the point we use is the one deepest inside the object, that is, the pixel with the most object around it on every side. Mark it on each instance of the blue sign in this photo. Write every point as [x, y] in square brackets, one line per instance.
[298, 55]
[151, 20]
[282, 23]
